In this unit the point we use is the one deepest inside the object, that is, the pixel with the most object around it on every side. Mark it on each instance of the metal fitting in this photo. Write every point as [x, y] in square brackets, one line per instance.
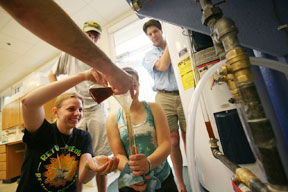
[238, 63]
[220, 52]
[226, 32]
[213, 143]
[229, 79]
[136, 5]
[216, 153]
[233, 88]
[245, 176]
[225, 26]
[210, 12]
[223, 70]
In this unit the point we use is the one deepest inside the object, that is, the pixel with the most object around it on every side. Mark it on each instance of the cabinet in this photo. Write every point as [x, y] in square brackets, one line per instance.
[11, 159]
[12, 113]
[48, 110]
[12, 154]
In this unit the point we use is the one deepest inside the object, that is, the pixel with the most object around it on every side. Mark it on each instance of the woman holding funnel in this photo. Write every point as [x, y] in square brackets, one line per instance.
[58, 156]
[152, 140]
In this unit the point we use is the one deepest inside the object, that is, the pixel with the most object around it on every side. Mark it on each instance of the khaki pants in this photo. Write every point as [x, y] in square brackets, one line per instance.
[172, 106]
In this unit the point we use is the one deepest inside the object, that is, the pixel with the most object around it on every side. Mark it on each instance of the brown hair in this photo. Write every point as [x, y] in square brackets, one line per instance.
[151, 22]
[63, 97]
[131, 71]
[94, 33]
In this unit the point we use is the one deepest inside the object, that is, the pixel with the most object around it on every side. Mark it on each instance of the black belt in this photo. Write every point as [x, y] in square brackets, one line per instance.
[169, 92]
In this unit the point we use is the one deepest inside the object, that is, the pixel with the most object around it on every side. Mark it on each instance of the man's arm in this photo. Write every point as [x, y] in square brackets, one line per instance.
[49, 22]
[164, 61]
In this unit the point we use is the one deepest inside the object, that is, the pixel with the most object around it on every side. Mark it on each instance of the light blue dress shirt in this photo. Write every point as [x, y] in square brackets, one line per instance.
[162, 80]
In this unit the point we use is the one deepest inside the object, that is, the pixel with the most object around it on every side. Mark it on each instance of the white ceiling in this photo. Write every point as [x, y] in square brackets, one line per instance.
[21, 52]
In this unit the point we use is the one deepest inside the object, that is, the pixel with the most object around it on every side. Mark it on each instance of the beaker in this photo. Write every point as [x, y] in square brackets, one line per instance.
[99, 92]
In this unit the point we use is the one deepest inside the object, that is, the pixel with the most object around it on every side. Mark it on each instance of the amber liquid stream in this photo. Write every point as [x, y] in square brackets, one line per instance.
[132, 146]
[100, 94]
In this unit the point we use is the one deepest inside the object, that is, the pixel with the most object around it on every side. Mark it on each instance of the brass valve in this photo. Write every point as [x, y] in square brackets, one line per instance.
[245, 176]
[230, 80]
[238, 63]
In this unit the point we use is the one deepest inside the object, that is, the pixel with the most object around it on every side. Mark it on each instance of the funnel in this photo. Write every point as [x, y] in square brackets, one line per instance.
[125, 101]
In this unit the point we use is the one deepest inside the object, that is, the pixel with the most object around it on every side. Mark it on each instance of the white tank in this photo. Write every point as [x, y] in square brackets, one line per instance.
[212, 174]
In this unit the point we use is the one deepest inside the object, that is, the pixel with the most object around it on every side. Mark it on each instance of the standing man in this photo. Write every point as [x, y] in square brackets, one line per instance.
[158, 63]
[94, 115]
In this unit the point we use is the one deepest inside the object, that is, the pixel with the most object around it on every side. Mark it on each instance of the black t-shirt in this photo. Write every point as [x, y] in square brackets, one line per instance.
[50, 165]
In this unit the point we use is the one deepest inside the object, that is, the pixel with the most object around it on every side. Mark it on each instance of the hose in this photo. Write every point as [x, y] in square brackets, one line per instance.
[276, 65]
[190, 143]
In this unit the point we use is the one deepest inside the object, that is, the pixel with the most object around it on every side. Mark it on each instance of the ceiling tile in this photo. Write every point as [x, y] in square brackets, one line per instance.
[6, 58]
[71, 7]
[24, 65]
[15, 30]
[112, 10]
[88, 1]
[14, 45]
[21, 68]
[87, 14]
[42, 49]
[35, 58]
[4, 18]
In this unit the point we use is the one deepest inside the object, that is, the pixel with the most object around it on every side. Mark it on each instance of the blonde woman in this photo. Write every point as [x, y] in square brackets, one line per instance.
[58, 156]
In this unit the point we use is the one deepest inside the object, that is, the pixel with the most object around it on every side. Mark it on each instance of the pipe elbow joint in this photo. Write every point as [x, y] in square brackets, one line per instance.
[225, 26]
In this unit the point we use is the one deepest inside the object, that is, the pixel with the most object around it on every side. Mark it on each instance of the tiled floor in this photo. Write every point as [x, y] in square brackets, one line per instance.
[8, 187]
